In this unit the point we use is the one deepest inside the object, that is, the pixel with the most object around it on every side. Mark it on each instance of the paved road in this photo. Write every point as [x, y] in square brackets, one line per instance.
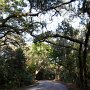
[48, 85]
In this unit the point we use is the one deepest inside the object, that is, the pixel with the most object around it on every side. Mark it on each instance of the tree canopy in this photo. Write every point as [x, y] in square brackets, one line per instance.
[22, 17]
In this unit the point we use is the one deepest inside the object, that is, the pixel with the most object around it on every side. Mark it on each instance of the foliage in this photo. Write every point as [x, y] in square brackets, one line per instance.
[17, 18]
[38, 59]
[67, 61]
[11, 67]
[69, 72]
[38, 55]
[66, 58]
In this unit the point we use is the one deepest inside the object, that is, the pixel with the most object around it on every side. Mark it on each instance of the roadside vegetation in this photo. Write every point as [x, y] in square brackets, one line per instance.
[59, 51]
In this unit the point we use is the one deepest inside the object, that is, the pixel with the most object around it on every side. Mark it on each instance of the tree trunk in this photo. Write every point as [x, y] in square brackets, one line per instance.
[84, 60]
[85, 57]
[81, 68]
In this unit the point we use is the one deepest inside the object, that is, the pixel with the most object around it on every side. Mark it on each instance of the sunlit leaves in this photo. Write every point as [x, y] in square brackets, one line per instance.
[2, 5]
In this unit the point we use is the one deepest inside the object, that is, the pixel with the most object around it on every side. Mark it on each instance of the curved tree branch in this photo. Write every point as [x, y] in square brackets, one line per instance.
[60, 45]
[46, 35]
[32, 14]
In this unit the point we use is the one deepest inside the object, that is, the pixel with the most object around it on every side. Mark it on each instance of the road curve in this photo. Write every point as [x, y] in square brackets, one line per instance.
[48, 85]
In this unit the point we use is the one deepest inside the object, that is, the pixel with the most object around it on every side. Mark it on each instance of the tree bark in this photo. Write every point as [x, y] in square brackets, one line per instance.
[80, 68]
[85, 57]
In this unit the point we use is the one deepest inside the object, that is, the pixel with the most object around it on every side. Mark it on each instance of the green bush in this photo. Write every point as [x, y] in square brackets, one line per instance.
[68, 76]
[13, 71]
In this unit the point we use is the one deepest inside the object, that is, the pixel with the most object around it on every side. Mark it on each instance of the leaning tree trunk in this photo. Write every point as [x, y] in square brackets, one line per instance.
[85, 57]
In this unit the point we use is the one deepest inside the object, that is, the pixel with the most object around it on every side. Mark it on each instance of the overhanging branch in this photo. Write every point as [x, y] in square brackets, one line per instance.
[54, 7]
[46, 35]
[60, 45]
[33, 14]
[17, 16]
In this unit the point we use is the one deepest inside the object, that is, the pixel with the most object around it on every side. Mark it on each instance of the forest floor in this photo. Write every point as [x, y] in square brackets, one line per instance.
[71, 86]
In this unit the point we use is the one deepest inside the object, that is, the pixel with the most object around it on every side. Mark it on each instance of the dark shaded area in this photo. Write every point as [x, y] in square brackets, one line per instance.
[13, 71]
[45, 75]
